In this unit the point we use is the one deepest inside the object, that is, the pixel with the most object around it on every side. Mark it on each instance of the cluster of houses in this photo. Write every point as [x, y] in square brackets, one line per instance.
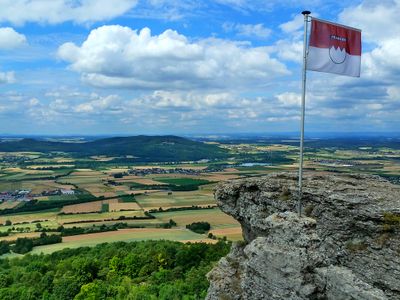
[20, 195]
[26, 195]
[57, 192]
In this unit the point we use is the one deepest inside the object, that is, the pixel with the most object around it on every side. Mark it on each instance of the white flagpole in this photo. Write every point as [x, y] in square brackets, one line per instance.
[306, 13]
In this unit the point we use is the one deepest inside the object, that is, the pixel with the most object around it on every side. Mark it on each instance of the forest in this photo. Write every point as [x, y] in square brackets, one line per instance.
[137, 270]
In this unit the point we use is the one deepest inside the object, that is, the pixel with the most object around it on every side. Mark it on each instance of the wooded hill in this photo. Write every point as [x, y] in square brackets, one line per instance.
[143, 148]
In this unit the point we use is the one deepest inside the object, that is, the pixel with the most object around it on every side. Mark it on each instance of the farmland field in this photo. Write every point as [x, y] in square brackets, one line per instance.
[126, 235]
[37, 186]
[134, 222]
[29, 217]
[82, 208]
[231, 233]
[84, 217]
[113, 196]
[9, 204]
[214, 216]
[175, 199]
[117, 206]
[20, 235]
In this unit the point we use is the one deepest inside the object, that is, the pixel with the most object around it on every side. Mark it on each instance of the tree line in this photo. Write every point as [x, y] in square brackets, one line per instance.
[138, 270]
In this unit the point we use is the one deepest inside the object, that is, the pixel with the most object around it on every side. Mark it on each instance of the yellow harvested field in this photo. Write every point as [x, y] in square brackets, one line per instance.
[88, 207]
[20, 235]
[29, 217]
[392, 169]
[8, 204]
[124, 206]
[82, 208]
[105, 194]
[116, 170]
[27, 171]
[233, 233]
[99, 189]
[231, 170]
[123, 188]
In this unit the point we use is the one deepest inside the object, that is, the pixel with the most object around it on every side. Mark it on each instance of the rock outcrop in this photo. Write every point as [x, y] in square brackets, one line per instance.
[346, 244]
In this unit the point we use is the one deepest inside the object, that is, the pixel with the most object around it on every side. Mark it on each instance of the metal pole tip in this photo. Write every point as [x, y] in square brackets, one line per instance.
[306, 12]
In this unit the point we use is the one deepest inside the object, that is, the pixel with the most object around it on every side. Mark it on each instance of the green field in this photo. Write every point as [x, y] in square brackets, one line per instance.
[214, 216]
[126, 235]
[175, 199]
[31, 226]
[16, 174]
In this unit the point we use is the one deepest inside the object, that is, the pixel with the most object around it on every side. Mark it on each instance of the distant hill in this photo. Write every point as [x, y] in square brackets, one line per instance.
[144, 148]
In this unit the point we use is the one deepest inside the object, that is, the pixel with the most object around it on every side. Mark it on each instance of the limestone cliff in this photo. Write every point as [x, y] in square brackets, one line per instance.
[345, 246]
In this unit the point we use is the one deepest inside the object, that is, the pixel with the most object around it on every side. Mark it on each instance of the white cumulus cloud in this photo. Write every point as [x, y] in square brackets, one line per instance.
[57, 11]
[289, 99]
[117, 56]
[293, 25]
[380, 27]
[377, 19]
[10, 39]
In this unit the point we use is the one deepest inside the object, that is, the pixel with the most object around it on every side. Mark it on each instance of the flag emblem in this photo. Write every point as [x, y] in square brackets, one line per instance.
[334, 48]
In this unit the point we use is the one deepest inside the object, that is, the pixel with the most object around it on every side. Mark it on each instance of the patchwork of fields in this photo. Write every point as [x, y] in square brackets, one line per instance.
[112, 203]
[92, 200]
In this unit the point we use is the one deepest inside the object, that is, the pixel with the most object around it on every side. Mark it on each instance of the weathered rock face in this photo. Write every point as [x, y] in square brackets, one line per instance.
[345, 246]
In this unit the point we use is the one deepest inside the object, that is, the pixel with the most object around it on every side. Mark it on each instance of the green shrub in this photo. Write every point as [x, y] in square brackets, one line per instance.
[199, 227]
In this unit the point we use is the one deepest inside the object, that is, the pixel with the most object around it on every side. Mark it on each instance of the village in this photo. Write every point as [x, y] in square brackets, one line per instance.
[27, 195]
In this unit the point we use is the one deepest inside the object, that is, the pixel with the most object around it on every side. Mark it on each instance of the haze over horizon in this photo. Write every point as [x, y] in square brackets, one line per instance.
[189, 67]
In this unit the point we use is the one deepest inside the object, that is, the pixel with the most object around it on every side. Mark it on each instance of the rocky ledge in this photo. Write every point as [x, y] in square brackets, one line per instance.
[346, 244]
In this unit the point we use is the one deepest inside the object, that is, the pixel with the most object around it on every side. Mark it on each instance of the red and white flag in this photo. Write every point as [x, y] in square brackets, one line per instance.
[334, 48]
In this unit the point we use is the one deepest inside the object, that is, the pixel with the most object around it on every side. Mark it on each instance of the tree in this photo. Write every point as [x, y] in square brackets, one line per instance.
[199, 227]
[4, 247]
[8, 223]
[23, 245]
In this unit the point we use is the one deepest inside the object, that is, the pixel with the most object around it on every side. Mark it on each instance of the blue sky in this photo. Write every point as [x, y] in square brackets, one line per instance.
[189, 67]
